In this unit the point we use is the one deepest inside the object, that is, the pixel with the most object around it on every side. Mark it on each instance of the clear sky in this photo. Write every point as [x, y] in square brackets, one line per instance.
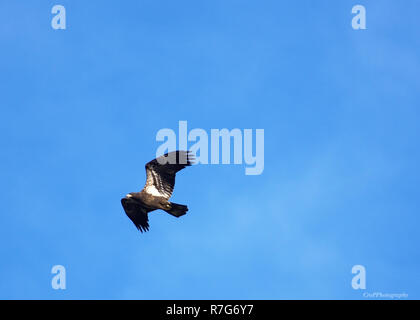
[79, 113]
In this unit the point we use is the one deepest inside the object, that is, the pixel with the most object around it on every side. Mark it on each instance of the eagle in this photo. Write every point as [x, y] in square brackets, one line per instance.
[160, 183]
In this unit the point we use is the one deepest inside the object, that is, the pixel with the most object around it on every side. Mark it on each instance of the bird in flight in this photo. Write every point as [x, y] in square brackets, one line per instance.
[159, 186]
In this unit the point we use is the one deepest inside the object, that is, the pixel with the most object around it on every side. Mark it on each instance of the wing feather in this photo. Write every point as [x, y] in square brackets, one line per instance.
[162, 170]
[137, 213]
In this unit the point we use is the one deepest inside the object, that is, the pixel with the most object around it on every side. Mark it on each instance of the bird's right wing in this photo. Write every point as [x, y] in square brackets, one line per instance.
[137, 213]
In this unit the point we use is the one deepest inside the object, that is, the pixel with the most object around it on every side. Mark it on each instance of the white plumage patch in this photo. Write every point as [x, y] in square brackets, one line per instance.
[151, 189]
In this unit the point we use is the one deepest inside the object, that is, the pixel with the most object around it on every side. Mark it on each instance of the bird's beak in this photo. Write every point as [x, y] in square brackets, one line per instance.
[129, 196]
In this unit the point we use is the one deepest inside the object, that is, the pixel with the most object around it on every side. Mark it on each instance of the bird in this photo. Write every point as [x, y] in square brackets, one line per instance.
[160, 182]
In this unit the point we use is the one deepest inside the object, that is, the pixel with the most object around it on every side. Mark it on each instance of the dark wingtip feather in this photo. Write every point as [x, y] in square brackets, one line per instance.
[179, 157]
[136, 214]
[190, 158]
[142, 229]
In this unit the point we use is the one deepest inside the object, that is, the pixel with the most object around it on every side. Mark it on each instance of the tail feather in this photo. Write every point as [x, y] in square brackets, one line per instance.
[177, 210]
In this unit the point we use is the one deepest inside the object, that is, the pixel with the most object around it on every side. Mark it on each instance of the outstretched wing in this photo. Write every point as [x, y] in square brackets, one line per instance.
[161, 172]
[137, 213]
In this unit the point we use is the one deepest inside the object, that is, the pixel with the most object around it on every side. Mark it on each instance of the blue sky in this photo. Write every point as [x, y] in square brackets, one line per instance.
[80, 109]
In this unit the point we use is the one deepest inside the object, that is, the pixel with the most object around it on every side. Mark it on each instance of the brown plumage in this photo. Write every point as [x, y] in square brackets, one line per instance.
[159, 186]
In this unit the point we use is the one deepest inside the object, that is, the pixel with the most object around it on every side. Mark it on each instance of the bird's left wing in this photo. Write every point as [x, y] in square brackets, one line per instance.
[137, 213]
[161, 172]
